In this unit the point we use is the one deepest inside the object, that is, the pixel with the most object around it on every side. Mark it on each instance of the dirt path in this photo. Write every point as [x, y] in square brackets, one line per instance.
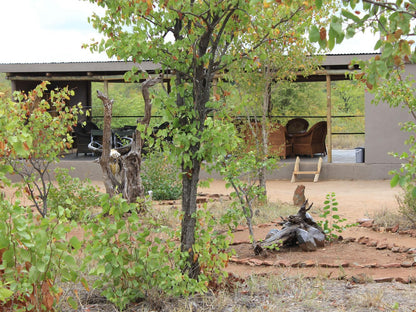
[356, 198]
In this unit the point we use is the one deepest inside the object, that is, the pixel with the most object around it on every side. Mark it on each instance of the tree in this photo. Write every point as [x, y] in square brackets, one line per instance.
[194, 41]
[394, 22]
[35, 130]
[274, 63]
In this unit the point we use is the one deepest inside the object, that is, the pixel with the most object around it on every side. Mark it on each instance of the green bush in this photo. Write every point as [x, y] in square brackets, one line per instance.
[35, 255]
[161, 176]
[136, 257]
[74, 196]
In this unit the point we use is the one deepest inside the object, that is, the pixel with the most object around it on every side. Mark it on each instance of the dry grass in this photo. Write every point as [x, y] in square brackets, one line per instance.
[347, 141]
[276, 293]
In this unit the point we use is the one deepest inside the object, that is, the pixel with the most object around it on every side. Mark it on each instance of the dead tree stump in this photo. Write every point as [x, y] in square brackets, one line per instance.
[297, 230]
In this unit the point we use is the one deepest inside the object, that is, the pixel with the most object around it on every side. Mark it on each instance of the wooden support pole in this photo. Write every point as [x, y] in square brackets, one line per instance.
[106, 87]
[329, 117]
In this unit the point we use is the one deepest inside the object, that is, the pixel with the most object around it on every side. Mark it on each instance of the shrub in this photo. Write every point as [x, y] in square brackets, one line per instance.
[161, 177]
[135, 256]
[75, 197]
[332, 223]
[407, 205]
[34, 255]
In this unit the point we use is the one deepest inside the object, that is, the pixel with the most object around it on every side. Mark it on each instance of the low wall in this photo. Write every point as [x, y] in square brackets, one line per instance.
[330, 171]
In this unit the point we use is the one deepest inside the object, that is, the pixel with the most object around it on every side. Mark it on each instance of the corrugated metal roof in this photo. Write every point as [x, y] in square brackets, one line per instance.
[108, 66]
[117, 66]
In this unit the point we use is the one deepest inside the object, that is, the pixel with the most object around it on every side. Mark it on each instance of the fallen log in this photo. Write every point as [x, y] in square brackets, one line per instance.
[297, 230]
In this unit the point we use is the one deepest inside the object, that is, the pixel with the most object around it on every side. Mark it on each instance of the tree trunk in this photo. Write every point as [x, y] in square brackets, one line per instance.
[190, 177]
[110, 182]
[131, 185]
[132, 182]
[265, 128]
[190, 180]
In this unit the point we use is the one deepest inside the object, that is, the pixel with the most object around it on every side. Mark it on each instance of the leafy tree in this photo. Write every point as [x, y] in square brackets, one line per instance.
[278, 61]
[394, 22]
[195, 41]
[35, 129]
[5, 90]
[129, 102]
[294, 98]
[348, 96]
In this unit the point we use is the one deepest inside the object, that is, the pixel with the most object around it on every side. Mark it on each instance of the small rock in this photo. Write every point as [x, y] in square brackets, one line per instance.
[384, 279]
[381, 246]
[329, 265]
[412, 251]
[360, 278]
[363, 220]
[372, 243]
[283, 263]
[268, 263]
[404, 249]
[395, 228]
[255, 262]
[407, 264]
[308, 264]
[395, 249]
[412, 279]
[401, 280]
[392, 265]
[349, 239]
[363, 240]
[367, 224]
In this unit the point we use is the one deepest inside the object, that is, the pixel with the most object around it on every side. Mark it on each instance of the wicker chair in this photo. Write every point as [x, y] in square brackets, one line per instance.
[297, 125]
[311, 142]
[279, 141]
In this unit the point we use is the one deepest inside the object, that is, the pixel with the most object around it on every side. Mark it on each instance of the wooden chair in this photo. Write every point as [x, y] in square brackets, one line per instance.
[312, 141]
[297, 125]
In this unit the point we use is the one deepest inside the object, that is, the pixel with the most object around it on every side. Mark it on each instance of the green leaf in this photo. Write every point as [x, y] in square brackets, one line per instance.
[72, 303]
[314, 35]
[394, 180]
[378, 44]
[350, 15]
[5, 293]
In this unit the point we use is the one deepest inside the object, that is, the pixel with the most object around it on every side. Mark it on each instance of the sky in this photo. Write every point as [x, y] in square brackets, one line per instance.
[44, 31]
